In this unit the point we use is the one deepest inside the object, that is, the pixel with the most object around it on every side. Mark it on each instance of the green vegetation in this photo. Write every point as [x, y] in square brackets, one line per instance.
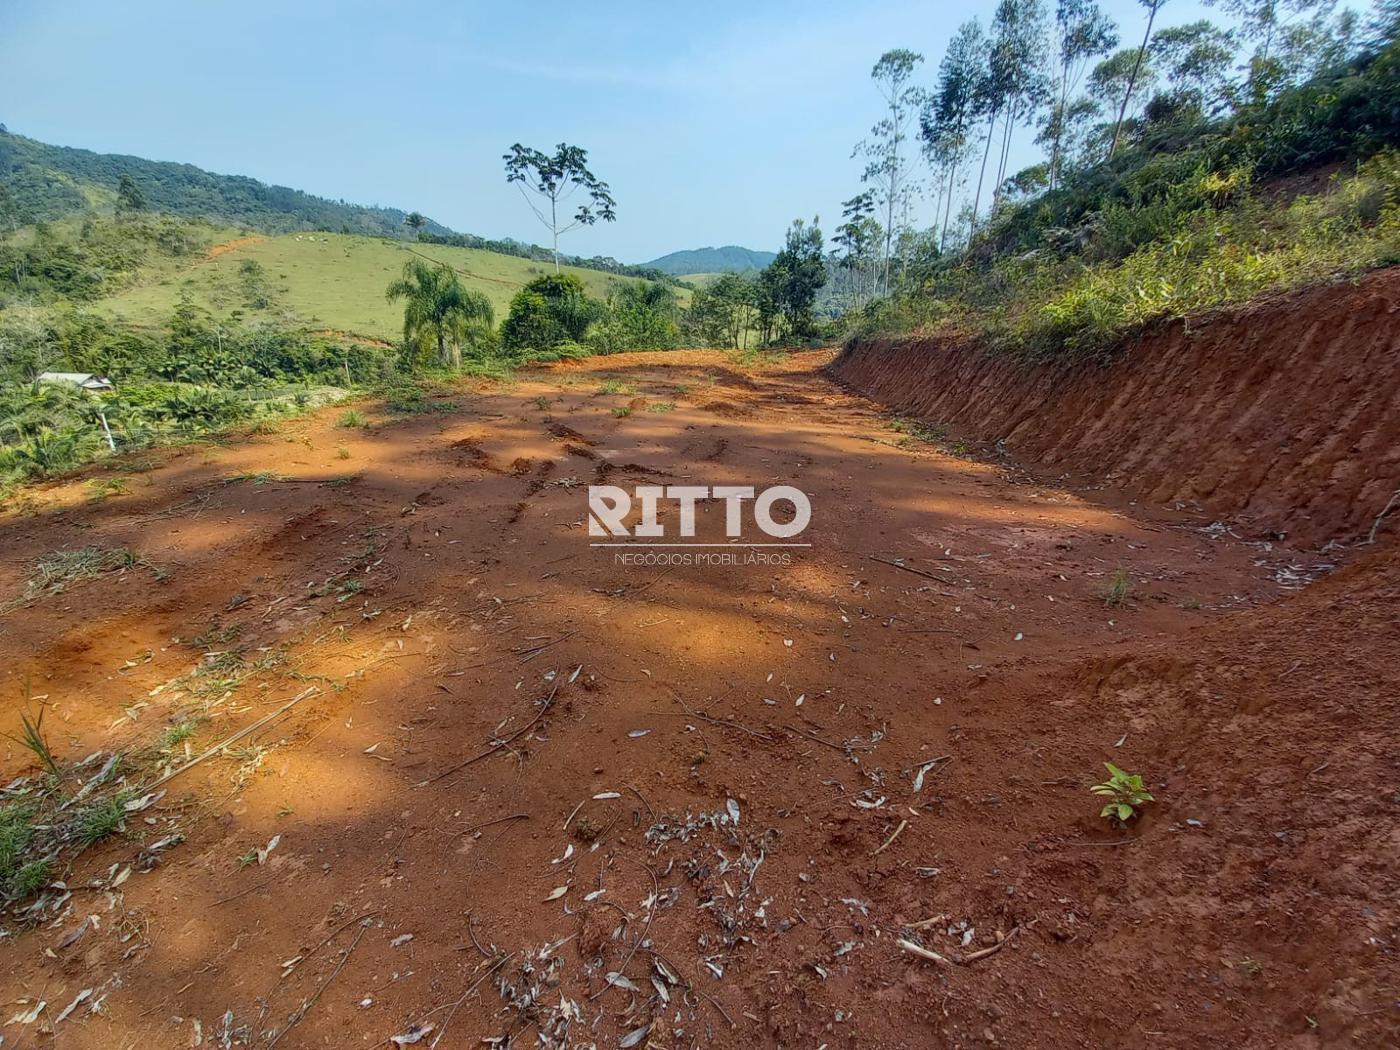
[439, 312]
[32, 739]
[1118, 588]
[1125, 793]
[50, 182]
[1170, 186]
[554, 179]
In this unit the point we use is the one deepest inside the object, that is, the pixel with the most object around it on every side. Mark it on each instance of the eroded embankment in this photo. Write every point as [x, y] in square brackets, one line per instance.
[1281, 415]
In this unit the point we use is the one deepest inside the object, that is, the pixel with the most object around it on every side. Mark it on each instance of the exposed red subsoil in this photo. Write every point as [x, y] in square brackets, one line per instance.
[1284, 415]
[530, 848]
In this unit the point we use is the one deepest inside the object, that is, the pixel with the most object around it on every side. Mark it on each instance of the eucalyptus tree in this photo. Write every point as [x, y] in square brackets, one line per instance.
[415, 221]
[549, 181]
[946, 123]
[858, 239]
[887, 167]
[1082, 32]
[1196, 59]
[1022, 34]
[1153, 6]
[1126, 75]
[437, 307]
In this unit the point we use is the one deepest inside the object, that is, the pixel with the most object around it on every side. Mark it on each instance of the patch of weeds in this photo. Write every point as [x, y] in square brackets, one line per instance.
[1191, 603]
[342, 452]
[258, 478]
[542, 403]
[32, 739]
[249, 858]
[100, 488]
[265, 427]
[341, 481]
[1125, 793]
[1118, 589]
[681, 389]
[349, 589]
[97, 821]
[414, 401]
[177, 734]
[756, 358]
[351, 418]
[56, 571]
[661, 406]
[217, 636]
[621, 412]
[915, 431]
[616, 386]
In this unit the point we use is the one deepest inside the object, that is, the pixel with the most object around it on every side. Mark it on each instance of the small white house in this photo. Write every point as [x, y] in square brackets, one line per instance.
[81, 380]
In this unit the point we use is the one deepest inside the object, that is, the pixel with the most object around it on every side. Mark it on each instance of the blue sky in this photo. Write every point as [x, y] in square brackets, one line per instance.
[715, 123]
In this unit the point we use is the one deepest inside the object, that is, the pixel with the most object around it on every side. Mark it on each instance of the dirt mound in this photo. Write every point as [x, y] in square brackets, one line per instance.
[1281, 415]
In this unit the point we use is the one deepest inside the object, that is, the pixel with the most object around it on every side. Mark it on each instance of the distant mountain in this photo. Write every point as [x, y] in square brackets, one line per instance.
[49, 182]
[729, 259]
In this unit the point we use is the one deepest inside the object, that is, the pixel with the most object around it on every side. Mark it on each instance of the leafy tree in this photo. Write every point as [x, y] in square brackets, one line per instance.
[415, 221]
[722, 313]
[548, 312]
[130, 199]
[438, 308]
[1127, 76]
[946, 123]
[788, 287]
[640, 315]
[1083, 32]
[887, 168]
[553, 180]
[858, 239]
[1014, 80]
[1021, 25]
[1153, 6]
[1196, 60]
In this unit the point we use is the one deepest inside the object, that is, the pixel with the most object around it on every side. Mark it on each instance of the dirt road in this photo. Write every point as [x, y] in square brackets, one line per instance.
[518, 767]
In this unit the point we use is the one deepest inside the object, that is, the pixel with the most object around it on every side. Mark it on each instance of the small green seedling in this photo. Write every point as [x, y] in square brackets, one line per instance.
[1125, 792]
[1118, 588]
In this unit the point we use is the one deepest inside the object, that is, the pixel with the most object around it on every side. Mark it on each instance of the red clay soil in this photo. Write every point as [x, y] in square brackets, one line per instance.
[522, 766]
[1283, 416]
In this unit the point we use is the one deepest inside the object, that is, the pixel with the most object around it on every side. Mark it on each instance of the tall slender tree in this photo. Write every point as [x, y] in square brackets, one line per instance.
[946, 123]
[553, 179]
[1153, 6]
[1083, 32]
[888, 167]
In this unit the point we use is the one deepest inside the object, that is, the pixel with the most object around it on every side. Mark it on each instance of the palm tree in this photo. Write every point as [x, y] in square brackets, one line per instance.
[438, 307]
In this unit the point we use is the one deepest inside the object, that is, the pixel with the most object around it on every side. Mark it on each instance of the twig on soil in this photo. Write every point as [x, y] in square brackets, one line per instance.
[498, 820]
[474, 985]
[902, 825]
[231, 740]
[646, 929]
[309, 1003]
[650, 812]
[960, 960]
[501, 745]
[1376, 525]
[907, 568]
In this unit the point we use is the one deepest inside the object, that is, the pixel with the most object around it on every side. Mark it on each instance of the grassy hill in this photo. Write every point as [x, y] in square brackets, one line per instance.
[331, 281]
[729, 259]
[49, 182]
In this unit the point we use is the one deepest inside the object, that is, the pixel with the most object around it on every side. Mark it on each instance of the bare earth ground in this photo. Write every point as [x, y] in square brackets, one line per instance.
[455, 850]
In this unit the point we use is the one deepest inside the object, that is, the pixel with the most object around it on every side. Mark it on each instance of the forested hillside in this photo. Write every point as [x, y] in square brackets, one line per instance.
[729, 259]
[49, 182]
